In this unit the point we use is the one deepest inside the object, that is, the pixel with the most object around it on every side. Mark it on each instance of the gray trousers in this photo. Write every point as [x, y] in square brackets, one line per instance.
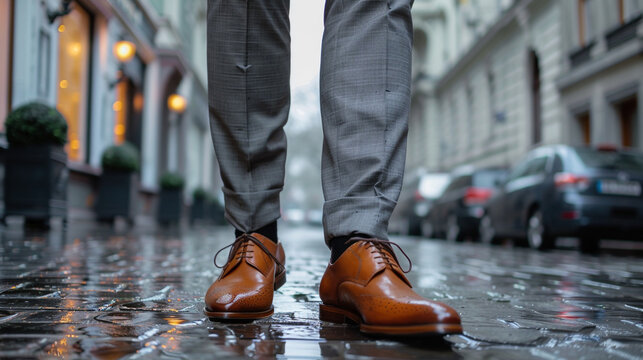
[365, 98]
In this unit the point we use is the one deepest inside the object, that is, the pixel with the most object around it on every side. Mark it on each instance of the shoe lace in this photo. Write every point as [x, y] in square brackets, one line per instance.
[243, 253]
[385, 250]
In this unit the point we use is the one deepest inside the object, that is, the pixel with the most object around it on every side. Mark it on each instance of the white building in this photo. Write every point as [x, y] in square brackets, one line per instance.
[602, 84]
[67, 61]
[517, 77]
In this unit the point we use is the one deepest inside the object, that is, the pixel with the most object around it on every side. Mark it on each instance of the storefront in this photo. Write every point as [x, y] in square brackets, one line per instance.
[70, 57]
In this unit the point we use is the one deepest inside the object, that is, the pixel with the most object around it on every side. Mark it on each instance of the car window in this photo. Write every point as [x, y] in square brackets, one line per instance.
[519, 170]
[536, 166]
[464, 182]
[558, 164]
[456, 184]
[612, 160]
[451, 186]
[488, 178]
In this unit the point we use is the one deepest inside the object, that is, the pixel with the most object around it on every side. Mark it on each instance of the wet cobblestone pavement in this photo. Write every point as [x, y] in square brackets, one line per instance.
[109, 296]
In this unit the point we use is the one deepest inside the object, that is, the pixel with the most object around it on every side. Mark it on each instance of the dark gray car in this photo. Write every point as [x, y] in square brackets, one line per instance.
[560, 190]
[457, 212]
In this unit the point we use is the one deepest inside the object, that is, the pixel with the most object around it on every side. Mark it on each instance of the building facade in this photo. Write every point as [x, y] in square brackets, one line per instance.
[602, 88]
[67, 60]
[517, 74]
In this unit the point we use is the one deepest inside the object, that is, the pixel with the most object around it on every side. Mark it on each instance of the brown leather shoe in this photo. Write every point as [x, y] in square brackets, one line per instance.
[244, 290]
[367, 286]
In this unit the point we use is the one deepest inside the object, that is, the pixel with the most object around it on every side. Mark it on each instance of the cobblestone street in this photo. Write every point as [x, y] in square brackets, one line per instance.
[133, 296]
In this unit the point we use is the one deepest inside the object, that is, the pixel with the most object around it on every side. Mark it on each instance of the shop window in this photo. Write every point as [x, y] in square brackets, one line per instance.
[74, 47]
[120, 111]
[128, 111]
[5, 59]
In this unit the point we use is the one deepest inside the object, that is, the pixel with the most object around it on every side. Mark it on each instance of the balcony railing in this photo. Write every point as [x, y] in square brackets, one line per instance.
[622, 33]
[581, 55]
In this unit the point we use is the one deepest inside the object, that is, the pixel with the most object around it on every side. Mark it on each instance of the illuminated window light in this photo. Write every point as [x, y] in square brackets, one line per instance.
[74, 49]
[138, 102]
[119, 129]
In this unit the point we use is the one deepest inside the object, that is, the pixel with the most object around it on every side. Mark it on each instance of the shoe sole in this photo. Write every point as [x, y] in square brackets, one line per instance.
[280, 280]
[337, 315]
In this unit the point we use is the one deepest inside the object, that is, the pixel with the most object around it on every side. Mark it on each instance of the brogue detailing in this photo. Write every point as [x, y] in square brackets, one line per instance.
[225, 299]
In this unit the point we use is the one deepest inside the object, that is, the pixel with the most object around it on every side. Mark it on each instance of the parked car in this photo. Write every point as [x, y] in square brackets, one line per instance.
[457, 212]
[559, 190]
[416, 198]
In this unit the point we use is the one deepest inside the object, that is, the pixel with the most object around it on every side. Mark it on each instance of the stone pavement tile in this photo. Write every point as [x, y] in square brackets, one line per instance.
[141, 296]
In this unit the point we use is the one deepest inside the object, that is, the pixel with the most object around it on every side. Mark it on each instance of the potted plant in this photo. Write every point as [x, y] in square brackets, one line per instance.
[171, 198]
[118, 186]
[198, 210]
[36, 164]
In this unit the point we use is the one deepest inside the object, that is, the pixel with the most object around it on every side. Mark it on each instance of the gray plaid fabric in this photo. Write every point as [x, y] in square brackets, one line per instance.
[365, 99]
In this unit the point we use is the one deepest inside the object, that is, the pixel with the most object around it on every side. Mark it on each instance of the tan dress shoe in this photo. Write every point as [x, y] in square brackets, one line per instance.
[367, 286]
[245, 288]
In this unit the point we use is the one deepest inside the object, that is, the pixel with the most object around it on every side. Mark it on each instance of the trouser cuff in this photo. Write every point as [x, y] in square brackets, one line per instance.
[364, 215]
[252, 210]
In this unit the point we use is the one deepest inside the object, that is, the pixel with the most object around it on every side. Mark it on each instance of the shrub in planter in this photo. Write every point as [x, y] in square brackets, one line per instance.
[198, 210]
[118, 183]
[36, 163]
[171, 198]
[122, 157]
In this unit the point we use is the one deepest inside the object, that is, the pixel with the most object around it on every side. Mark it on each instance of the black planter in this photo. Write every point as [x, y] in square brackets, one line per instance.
[36, 182]
[198, 210]
[117, 195]
[170, 206]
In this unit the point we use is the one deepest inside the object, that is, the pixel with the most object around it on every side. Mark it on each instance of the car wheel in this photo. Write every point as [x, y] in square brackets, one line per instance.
[427, 229]
[453, 229]
[537, 236]
[589, 244]
[486, 230]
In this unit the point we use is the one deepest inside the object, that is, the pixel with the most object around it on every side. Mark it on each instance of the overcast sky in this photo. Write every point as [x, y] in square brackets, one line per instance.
[306, 28]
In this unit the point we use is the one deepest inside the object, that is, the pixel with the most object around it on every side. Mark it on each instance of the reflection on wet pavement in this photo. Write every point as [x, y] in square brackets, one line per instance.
[95, 294]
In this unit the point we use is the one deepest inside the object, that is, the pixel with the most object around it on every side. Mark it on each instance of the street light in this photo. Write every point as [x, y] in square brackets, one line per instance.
[176, 103]
[124, 50]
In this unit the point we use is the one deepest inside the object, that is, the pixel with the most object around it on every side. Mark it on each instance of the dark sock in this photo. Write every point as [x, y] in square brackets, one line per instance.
[338, 245]
[269, 231]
